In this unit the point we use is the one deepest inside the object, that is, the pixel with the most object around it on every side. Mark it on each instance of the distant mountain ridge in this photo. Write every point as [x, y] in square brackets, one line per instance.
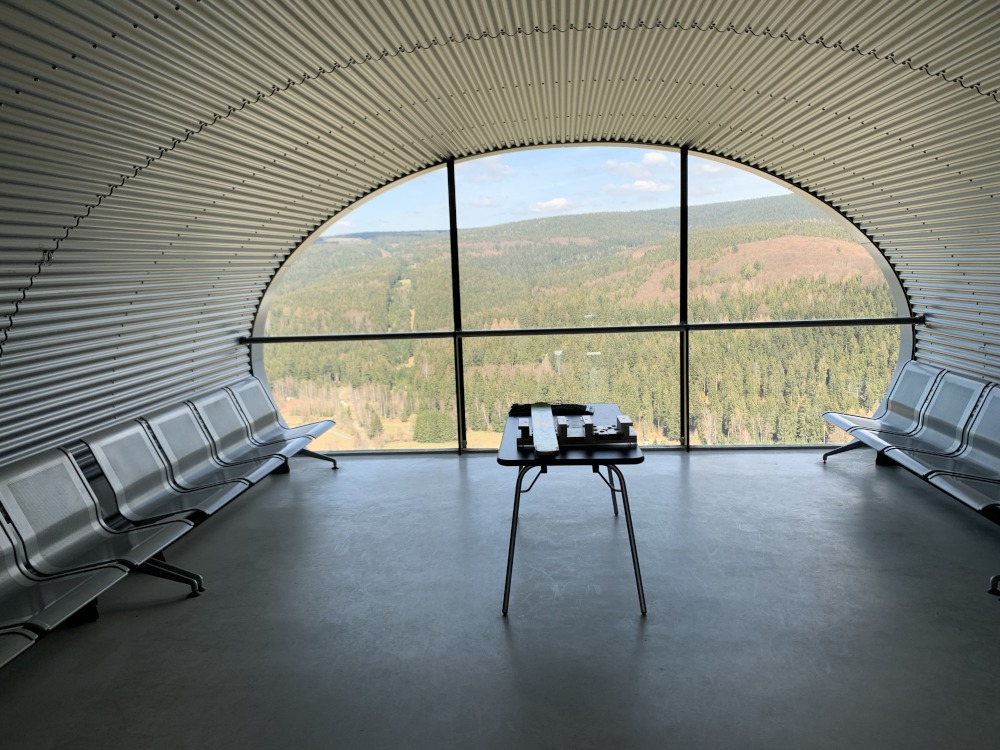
[645, 223]
[570, 239]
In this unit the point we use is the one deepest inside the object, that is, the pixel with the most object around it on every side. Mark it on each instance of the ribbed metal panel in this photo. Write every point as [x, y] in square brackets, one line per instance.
[160, 160]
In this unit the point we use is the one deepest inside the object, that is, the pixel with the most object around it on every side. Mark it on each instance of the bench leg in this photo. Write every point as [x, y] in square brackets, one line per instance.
[881, 459]
[86, 614]
[160, 568]
[319, 456]
[843, 449]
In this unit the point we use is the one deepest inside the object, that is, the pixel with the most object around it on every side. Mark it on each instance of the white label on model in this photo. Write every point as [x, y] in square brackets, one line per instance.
[544, 428]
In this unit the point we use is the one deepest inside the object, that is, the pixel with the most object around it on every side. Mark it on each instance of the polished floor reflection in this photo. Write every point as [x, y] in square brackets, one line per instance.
[791, 605]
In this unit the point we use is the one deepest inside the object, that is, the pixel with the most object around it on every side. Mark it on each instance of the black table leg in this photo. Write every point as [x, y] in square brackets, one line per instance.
[614, 491]
[610, 481]
[522, 472]
[631, 534]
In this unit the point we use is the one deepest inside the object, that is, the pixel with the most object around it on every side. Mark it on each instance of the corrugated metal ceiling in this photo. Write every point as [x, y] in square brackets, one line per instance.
[161, 159]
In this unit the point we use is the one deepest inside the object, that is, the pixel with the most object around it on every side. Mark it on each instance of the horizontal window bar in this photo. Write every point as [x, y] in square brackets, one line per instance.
[820, 323]
[748, 325]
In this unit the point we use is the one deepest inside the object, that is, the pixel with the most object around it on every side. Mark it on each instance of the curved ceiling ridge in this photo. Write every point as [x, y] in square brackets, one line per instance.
[857, 48]
[351, 62]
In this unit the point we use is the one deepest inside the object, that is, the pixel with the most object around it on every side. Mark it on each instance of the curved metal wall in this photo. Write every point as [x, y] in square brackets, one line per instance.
[161, 159]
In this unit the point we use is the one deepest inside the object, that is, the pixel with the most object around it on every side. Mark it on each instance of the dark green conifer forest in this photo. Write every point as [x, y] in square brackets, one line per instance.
[764, 259]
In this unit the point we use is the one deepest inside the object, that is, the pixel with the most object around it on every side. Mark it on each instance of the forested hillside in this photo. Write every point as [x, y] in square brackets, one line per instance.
[765, 259]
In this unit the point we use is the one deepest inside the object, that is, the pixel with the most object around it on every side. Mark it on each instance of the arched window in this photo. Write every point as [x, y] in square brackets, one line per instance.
[699, 295]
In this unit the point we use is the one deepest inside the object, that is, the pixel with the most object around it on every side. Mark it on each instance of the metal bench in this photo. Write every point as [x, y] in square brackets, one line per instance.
[264, 420]
[973, 474]
[140, 483]
[58, 527]
[900, 412]
[977, 453]
[60, 547]
[191, 459]
[940, 420]
[952, 437]
[230, 433]
[32, 605]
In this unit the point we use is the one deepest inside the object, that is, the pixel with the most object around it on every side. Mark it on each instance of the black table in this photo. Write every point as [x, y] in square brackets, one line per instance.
[596, 457]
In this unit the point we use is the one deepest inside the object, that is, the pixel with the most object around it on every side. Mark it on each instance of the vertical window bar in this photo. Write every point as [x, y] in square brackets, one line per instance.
[456, 301]
[685, 349]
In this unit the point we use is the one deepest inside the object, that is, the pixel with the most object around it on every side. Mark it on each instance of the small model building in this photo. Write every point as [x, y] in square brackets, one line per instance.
[570, 430]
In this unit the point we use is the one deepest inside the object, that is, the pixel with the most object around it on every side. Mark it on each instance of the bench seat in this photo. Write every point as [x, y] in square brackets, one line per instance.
[231, 436]
[57, 519]
[35, 604]
[952, 401]
[900, 413]
[952, 438]
[978, 456]
[157, 474]
[191, 459]
[946, 412]
[140, 482]
[263, 416]
[980, 494]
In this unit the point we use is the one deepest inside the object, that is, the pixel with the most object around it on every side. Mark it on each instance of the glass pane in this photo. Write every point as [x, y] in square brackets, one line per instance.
[759, 252]
[569, 237]
[772, 387]
[385, 266]
[382, 394]
[639, 372]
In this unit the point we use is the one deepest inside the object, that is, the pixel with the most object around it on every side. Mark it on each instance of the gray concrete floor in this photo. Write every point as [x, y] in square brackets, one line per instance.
[791, 605]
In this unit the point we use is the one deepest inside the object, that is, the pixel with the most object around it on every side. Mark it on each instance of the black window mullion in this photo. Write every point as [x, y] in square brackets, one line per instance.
[456, 301]
[685, 349]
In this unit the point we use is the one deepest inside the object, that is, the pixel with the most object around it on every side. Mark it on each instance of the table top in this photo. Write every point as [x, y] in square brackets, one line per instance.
[577, 455]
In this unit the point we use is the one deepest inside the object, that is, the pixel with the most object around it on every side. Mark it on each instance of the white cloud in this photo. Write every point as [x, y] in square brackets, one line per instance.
[632, 168]
[555, 205]
[656, 159]
[709, 167]
[641, 186]
[642, 169]
[650, 186]
[487, 169]
[482, 202]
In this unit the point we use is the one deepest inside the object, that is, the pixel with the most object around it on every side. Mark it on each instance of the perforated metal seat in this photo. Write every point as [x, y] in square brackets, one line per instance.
[137, 474]
[56, 517]
[941, 427]
[188, 449]
[231, 435]
[979, 457]
[263, 416]
[945, 416]
[40, 603]
[900, 412]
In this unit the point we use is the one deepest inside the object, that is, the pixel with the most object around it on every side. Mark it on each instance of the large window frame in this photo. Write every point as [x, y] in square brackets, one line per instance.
[905, 320]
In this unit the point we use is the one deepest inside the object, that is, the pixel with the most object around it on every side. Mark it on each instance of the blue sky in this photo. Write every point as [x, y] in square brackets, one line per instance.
[528, 184]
